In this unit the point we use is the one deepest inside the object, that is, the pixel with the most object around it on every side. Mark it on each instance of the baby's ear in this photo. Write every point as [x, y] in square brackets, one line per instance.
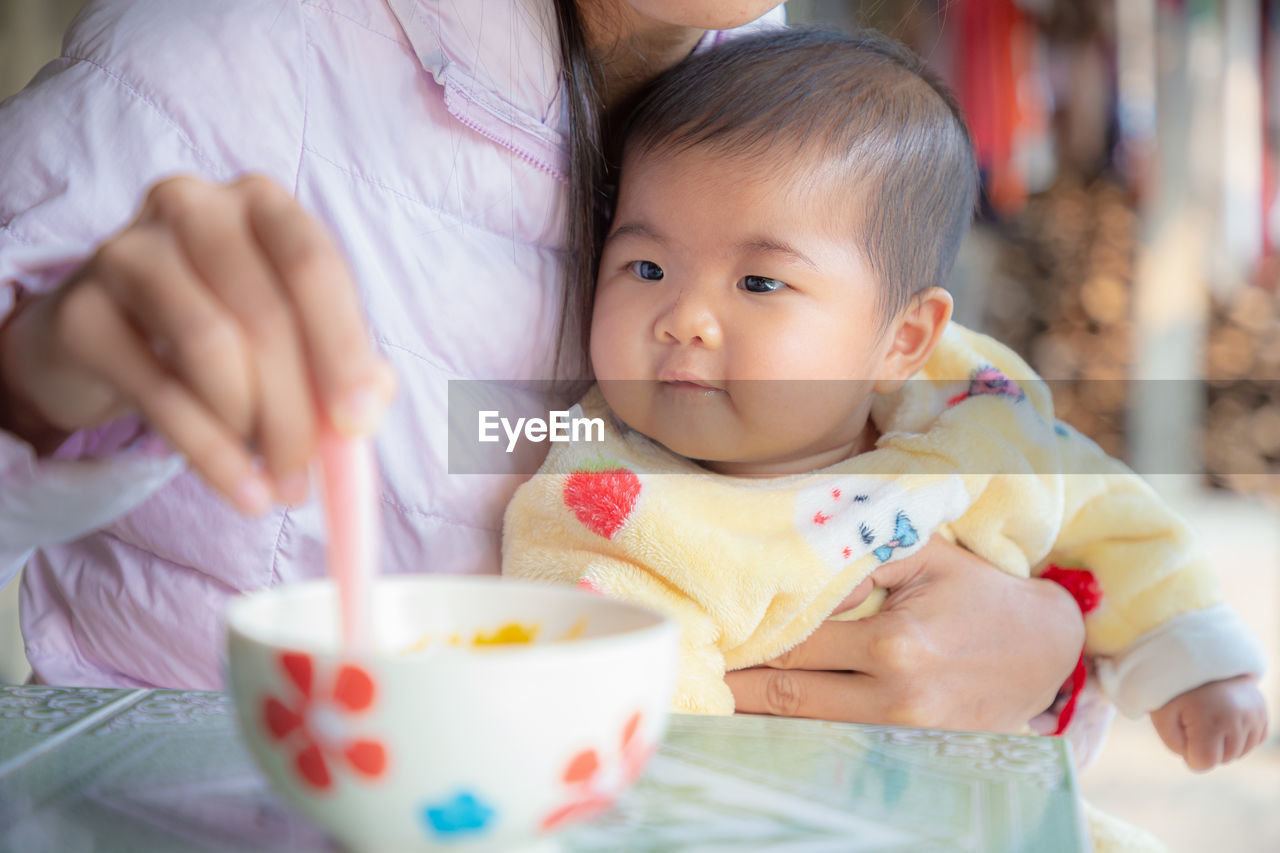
[914, 335]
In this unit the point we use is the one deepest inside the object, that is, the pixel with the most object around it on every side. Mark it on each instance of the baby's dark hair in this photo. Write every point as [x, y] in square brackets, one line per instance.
[861, 103]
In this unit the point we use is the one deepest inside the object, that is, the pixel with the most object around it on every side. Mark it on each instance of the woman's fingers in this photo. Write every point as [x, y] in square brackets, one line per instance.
[150, 280]
[902, 699]
[883, 645]
[873, 670]
[101, 335]
[353, 385]
[844, 696]
[856, 597]
[221, 247]
[956, 644]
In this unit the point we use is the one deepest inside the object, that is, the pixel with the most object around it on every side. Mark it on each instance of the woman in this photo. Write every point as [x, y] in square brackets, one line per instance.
[401, 160]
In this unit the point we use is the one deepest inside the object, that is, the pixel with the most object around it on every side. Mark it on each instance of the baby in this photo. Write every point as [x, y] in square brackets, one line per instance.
[788, 210]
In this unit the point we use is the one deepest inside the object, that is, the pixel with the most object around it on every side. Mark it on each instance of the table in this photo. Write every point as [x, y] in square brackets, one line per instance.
[104, 770]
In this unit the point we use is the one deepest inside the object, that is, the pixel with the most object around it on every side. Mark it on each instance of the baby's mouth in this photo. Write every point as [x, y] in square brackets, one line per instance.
[690, 386]
[683, 380]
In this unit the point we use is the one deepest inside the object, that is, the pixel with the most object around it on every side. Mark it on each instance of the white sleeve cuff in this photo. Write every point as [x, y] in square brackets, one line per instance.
[1187, 651]
[46, 501]
[37, 268]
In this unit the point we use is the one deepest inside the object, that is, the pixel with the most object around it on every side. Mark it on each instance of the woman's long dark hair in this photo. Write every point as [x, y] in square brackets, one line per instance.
[587, 203]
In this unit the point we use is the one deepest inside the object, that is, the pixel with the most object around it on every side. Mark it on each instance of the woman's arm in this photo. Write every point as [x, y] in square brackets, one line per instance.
[957, 644]
[215, 315]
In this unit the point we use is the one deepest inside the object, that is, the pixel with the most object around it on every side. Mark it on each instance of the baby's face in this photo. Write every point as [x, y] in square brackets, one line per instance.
[733, 322]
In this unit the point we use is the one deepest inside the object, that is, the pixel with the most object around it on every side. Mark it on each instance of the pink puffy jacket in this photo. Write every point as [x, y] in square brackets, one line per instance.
[429, 135]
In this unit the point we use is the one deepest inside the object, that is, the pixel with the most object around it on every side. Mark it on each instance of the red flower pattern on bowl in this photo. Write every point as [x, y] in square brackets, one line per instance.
[593, 785]
[315, 726]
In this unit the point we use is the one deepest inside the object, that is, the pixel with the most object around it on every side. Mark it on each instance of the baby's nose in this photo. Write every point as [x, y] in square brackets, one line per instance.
[689, 320]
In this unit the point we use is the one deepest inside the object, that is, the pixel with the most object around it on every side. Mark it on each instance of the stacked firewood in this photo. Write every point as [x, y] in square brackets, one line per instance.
[1062, 300]
[1242, 426]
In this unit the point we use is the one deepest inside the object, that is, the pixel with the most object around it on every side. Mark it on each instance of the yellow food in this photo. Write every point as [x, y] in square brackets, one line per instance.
[510, 634]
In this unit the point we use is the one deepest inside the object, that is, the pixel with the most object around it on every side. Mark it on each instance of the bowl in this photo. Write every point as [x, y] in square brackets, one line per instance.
[487, 713]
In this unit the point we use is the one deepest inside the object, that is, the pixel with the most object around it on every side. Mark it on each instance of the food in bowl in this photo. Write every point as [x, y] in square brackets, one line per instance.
[509, 633]
[488, 714]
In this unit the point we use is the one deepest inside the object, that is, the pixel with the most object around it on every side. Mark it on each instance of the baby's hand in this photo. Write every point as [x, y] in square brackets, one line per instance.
[1214, 723]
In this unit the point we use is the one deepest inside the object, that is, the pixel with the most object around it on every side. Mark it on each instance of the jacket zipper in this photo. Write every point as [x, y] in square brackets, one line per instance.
[523, 155]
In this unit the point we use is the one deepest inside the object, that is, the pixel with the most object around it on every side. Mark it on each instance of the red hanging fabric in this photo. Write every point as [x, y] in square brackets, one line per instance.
[994, 49]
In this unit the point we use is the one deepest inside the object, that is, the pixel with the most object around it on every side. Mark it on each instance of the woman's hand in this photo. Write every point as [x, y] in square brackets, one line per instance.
[226, 317]
[958, 644]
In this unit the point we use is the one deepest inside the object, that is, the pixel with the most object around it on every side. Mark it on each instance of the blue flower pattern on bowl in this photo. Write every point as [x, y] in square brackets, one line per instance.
[463, 814]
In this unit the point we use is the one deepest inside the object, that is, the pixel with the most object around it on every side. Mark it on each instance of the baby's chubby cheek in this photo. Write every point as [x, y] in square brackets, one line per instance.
[627, 398]
[617, 343]
[802, 407]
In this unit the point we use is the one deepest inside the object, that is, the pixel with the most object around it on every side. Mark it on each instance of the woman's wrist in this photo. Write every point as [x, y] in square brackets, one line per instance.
[18, 413]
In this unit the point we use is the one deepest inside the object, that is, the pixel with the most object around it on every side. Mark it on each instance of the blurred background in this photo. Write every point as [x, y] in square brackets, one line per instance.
[1127, 247]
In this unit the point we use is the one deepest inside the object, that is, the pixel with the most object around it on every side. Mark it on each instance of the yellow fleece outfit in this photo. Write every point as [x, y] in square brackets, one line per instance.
[969, 448]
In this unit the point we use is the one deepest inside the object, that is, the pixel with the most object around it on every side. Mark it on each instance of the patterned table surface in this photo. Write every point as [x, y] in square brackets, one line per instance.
[104, 770]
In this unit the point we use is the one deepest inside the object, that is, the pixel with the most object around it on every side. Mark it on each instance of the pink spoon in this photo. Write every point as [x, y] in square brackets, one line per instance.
[350, 477]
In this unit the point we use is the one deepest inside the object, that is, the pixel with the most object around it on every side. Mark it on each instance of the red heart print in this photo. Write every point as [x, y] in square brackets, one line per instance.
[602, 500]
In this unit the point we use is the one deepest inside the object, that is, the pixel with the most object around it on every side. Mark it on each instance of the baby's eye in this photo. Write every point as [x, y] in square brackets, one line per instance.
[647, 270]
[760, 284]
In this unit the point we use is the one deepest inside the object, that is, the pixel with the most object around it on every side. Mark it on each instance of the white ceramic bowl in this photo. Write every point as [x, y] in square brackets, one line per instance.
[429, 742]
